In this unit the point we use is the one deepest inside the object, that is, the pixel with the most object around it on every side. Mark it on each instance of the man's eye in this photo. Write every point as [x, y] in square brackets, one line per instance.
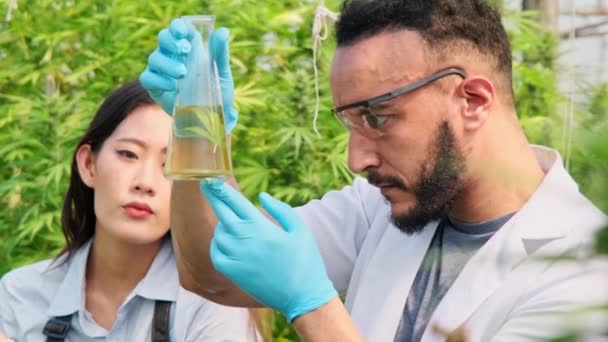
[381, 119]
[374, 120]
[127, 154]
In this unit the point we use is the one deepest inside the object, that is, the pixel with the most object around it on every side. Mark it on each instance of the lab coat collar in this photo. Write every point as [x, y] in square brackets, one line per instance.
[527, 231]
[550, 194]
[379, 293]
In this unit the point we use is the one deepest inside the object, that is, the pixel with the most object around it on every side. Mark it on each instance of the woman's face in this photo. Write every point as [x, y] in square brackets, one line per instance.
[132, 196]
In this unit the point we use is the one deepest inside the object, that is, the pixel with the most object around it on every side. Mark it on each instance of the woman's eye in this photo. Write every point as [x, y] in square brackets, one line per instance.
[127, 154]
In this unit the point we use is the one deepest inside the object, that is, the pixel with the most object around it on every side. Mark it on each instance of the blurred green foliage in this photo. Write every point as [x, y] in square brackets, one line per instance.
[58, 58]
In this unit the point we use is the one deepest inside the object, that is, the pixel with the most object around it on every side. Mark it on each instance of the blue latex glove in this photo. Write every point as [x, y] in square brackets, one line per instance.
[165, 67]
[280, 267]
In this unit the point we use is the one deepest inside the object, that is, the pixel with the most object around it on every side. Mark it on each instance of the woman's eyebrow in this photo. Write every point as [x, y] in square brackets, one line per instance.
[139, 142]
[134, 141]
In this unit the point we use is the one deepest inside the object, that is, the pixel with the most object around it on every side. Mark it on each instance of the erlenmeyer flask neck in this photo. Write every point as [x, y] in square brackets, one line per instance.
[203, 24]
[198, 87]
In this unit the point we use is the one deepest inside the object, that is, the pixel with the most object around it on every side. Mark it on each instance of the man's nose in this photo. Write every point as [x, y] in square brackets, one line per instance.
[362, 153]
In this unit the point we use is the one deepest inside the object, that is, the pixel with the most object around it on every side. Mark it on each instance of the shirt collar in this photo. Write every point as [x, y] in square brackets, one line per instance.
[70, 295]
[161, 282]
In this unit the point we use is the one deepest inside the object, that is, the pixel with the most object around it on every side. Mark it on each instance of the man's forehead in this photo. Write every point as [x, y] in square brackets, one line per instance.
[376, 65]
[387, 56]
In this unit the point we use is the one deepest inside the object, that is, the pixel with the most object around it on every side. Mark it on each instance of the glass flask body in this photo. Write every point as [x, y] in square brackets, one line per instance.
[198, 148]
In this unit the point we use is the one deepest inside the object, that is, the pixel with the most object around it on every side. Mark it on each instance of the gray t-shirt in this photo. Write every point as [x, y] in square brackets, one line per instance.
[453, 244]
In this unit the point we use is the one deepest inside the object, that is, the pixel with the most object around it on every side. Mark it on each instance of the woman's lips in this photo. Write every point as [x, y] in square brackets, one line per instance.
[138, 210]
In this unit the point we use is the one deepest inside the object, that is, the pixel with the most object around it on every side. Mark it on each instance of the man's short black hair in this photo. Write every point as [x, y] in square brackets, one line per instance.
[446, 26]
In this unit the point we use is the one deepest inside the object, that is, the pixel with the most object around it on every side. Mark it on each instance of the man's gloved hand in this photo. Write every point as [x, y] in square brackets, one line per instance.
[280, 267]
[165, 66]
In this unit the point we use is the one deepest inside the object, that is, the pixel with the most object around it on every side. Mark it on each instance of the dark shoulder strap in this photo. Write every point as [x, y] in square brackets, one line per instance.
[56, 328]
[160, 322]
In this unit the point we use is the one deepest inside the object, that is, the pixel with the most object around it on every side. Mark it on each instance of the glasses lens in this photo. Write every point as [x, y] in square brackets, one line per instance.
[361, 119]
[352, 118]
[370, 120]
[343, 120]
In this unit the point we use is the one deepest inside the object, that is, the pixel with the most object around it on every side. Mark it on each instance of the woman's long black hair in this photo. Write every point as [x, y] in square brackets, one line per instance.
[78, 213]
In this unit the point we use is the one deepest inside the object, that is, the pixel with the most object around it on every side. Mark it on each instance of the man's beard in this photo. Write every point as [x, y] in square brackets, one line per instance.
[439, 183]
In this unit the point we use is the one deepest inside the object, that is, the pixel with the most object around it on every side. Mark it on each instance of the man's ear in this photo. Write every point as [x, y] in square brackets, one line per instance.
[85, 160]
[480, 95]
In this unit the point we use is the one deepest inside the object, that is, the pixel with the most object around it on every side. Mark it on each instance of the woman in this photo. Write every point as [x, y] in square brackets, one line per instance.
[116, 278]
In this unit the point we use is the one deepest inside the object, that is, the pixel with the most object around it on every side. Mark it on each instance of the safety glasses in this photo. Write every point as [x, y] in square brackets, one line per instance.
[360, 115]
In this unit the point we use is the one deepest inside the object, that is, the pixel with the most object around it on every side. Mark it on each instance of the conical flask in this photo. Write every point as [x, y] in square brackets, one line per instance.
[198, 147]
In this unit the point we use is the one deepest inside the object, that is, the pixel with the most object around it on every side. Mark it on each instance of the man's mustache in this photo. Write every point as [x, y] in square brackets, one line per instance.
[376, 179]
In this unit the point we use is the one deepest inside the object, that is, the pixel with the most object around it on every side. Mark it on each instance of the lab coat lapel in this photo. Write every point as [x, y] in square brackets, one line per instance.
[481, 276]
[526, 232]
[388, 278]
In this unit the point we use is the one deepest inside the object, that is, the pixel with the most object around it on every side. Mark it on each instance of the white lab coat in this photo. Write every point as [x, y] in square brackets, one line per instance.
[508, 291]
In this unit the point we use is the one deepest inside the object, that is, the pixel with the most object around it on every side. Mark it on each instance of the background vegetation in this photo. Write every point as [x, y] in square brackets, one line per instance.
[58, 58]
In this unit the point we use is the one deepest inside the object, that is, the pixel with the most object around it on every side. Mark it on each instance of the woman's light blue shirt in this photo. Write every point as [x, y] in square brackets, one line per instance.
[30, 295]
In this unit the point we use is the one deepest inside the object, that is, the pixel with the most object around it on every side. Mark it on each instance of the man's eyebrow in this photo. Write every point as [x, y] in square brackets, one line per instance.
[361, 110]
[383, 105]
